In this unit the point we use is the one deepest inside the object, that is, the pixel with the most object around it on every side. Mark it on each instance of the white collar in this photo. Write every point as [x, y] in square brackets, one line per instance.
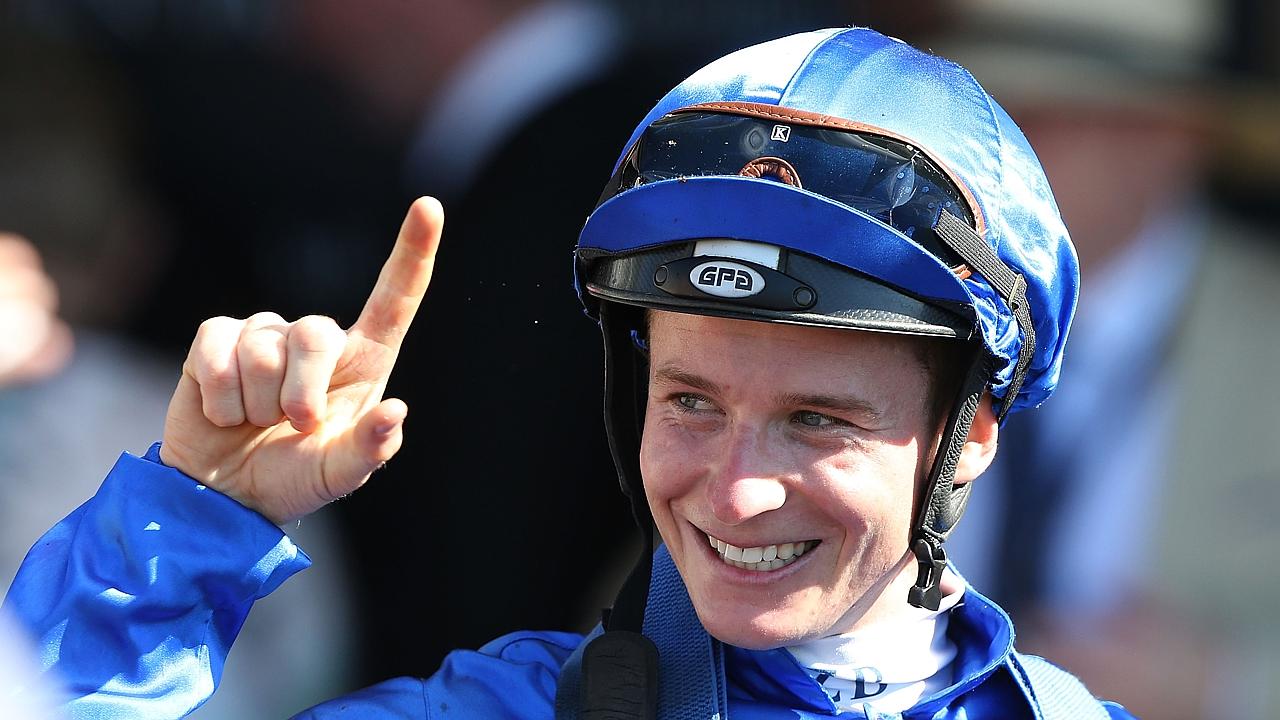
[888, 666]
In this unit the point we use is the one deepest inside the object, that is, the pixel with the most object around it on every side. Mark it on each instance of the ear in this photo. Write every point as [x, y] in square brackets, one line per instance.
[980, 447]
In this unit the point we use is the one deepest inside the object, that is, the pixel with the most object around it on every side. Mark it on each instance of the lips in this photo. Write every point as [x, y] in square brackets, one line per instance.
[762, 558]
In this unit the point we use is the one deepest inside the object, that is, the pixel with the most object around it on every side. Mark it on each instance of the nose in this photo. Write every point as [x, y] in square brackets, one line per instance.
[747, 481]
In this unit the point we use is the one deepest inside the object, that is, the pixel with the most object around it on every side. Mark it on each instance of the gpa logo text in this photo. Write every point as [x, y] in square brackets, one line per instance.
[727, 279]
[718, 276]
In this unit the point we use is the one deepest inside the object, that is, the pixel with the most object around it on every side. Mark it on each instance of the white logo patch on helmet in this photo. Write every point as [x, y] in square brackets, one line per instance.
[725, 278]
[764, 254]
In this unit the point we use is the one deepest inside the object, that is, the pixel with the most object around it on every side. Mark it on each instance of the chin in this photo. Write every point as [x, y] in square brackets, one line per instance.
[756, 630]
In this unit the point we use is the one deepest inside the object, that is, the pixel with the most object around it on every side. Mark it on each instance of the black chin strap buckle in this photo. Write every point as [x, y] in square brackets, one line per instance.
[927, 592]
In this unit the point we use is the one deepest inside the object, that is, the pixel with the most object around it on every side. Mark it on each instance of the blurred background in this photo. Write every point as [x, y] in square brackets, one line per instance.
[164, 162]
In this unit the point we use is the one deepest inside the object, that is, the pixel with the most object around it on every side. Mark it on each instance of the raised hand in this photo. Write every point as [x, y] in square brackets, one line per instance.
[285, 417]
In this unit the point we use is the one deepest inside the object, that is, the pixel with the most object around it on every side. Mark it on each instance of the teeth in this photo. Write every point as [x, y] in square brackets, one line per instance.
[768, 557]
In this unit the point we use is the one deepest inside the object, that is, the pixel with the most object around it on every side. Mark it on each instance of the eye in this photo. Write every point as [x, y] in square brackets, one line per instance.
[809, 418]
[689, 401]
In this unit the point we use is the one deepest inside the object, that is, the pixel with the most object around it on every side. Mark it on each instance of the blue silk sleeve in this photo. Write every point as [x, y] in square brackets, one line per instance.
[513, 677]
[135, 598]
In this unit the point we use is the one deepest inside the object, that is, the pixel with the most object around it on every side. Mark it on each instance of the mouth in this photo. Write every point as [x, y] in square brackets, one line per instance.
[763, 558]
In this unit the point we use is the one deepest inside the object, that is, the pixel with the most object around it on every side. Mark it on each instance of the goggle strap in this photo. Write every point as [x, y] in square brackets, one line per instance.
[1009, 285]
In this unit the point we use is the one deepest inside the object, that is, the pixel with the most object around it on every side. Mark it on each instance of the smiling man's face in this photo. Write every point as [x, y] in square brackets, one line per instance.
[781, 463]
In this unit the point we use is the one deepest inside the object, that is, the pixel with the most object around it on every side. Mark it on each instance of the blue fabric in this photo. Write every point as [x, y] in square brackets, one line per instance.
[887, 86]
[678, 650]
[1060, 695]
[137, 595]
[135, 598]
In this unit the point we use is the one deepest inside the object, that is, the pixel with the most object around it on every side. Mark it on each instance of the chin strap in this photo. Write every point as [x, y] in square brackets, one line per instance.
[943, 501]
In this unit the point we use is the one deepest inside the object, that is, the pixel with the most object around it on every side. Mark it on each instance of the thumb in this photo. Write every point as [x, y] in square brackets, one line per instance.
[363, 448]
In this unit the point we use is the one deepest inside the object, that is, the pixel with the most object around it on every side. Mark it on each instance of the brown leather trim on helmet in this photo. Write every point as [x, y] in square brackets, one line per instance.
[773, 167]
[804, 117]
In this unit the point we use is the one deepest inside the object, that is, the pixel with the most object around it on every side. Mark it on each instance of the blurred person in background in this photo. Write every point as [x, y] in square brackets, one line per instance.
[1127, 105]
[34, 343]
[75, 388]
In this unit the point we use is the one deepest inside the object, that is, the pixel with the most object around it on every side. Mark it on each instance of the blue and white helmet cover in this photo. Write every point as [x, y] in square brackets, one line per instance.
[859, 75]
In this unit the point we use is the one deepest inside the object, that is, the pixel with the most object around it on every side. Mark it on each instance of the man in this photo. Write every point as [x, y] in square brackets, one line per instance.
[824, 269]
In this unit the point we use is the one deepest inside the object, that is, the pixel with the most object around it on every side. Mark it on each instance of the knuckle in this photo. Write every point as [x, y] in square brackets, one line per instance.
[316, 333]
[261, 367]
[299, 408]
[261, 354]
[218, 376]
[320, 323]
[264, 417]
[219, 326]
[223, 415]
[226, 421]
[259, 361]
[259, 319]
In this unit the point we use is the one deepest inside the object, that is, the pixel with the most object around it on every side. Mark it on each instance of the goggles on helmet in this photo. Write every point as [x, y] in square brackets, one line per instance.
[885, 178]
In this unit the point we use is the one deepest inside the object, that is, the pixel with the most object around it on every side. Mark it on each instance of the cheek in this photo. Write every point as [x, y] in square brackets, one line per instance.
[666, 464]
[669, 479]
[901, 468]
[870, 493]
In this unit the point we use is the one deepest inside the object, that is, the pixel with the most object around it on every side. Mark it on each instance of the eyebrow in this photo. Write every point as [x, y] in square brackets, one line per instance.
[846, 404]
[675, 376]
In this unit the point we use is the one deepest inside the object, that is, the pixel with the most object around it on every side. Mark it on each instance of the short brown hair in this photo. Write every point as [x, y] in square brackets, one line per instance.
[945, 362]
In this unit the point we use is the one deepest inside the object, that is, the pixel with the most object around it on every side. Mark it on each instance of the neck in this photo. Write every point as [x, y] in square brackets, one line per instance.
[884, 602]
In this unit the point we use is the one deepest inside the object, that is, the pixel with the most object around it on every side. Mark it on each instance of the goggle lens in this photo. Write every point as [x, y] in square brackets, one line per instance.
[882, 177]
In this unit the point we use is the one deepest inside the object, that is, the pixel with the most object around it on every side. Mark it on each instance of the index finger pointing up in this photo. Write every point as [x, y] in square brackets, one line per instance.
[405, 276]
